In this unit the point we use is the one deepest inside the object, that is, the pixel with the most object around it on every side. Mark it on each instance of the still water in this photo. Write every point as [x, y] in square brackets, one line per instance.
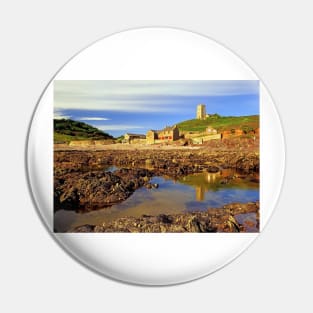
[191, 193]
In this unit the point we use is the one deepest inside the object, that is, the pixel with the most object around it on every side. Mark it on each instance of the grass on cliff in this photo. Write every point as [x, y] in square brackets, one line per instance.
[66, 130]
[221, 123]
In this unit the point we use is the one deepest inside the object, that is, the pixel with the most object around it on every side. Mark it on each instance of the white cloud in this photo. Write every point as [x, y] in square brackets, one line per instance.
[119, 127]
[58, 115]
[141, 96]
[94, 119]
[130, 105]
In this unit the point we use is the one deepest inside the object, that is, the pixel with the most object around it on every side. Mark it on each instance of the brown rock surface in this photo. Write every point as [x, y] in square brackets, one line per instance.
[97, 189]
[213, 220]
[168, 162]
[81, 183]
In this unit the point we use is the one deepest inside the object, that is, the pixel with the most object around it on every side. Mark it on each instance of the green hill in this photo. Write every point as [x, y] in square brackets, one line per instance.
[66, 130]
[221, 123]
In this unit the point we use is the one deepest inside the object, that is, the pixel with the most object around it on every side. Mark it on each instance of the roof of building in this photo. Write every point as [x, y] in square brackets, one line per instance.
[168, 128]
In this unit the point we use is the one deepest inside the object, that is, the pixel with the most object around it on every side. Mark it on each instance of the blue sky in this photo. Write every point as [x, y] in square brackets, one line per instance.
[117, 107]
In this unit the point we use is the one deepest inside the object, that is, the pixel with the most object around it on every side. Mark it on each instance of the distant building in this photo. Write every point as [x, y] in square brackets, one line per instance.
[231, 133]
[169, 133]
[151, 136]
[133, 138]
[210, 130]
[201, 112]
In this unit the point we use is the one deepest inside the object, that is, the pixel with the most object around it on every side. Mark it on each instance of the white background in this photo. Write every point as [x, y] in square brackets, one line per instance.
[275, 273]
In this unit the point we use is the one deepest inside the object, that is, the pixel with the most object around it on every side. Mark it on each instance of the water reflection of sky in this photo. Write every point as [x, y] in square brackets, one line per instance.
[194, 193]
[193, 198]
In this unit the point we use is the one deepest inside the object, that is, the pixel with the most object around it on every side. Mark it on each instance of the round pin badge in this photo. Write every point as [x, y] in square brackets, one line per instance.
[155, 156]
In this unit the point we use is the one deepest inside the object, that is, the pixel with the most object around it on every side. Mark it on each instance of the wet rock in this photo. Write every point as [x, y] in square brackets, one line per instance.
[86, 229]
[81, 183]
[213, 220]
[213, 169]
[232, 224]
[97, 189]
[173, 163]
[163, 218]
[69, 198]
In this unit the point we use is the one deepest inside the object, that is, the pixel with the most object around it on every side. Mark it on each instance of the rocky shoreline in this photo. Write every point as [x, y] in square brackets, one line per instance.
[164, 162]
[84, 181]
[81, 182]
[232, 218]
[97, 189]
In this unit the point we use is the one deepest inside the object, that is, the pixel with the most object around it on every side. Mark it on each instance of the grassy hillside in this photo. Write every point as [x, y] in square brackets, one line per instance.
[221, 123]
[66, 130]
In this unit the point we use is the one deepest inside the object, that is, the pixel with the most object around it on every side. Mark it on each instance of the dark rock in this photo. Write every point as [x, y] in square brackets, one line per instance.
[97, 189]
[148, 186]
[85, 229]
[68, 199]
[213, 169]
[213, 220]
[166, 219]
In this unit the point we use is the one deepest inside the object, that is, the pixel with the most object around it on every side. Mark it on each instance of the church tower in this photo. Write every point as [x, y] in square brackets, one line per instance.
[201, 114]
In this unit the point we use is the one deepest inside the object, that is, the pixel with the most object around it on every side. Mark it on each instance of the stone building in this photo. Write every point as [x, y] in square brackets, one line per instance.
[134, 138]
[151, 136]
[168, 134]
[210, 130]
[201, 112]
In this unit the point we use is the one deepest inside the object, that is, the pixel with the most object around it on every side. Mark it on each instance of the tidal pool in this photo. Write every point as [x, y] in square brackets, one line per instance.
[194, 192]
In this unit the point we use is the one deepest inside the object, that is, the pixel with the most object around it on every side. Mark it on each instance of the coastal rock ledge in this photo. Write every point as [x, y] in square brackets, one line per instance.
[235, 217]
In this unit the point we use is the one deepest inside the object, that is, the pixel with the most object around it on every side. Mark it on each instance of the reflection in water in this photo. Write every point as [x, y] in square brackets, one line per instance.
[190, 193]
[111, 168]
[201, 188]
[211, 177]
